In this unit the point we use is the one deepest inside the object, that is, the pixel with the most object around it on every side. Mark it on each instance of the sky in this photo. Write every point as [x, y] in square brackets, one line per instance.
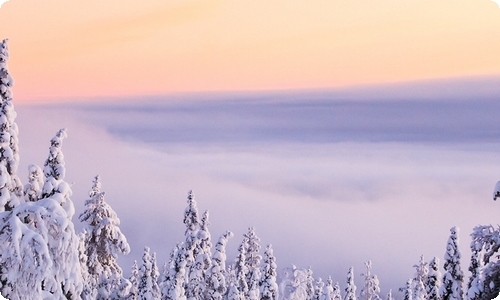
[344, 131]
[114, 48]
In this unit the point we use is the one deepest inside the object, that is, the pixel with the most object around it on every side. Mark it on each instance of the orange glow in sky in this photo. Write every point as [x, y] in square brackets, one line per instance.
[82, 49]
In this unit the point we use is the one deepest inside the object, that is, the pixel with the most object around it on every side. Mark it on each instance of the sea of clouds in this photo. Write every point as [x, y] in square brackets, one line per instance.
[330, 179]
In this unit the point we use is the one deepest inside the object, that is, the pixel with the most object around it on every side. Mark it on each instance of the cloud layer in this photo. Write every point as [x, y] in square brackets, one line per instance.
[330, 183]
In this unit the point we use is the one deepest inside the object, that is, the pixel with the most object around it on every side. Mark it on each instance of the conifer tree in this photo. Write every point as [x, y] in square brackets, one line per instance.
[103, 243]
[134, 282]
[252, 258]
[389, 295]
[371, 287]
[336, 295]
[350, 290]
[328, 290]
[453, 276]
[176, 286]
[241, 270]
[309, 284]
[475, 284]
[433, 281]
[216, 275]
[198, 272]
[54, 170]
[10, 186]
[148, 283]
[192, 222]
[421, 273]
[166, 279]
[269, 286]
[408, 290]
[318, 289]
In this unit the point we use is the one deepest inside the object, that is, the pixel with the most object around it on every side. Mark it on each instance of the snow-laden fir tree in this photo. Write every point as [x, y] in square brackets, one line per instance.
[485, 279]
[192, 222]
[54, 171]
[475, 284]
[103, 242]
[10, 185]
[328, 290]
[336, 294]
[241, 269]
[350, 290]
[433, 281]
[216, 276]
[177, 284]
[148, 277]
[39, 255]
[370, 289]
[134, 282]
[269, 285]
[309, 284]
[421, 273]
[408, 290]
[453, 277]
[318, 289]
[33, 189]
[252, 262]
[294, 284]
[389, 296]
[234, 292]
[166, 280]
[198, 273]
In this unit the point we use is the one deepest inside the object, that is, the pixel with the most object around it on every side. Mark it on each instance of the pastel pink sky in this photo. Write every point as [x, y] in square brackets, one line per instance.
[84, 49]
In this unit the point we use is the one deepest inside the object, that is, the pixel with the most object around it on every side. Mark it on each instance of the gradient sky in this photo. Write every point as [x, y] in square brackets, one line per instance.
[80, 49]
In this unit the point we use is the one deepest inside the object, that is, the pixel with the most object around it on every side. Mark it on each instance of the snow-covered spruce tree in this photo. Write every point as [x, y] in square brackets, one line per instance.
[233, 292]
[11, 188]
[134, 282]
[216, 286]
[309, 284]
[33, 189]
[350, 290]
[328, 290]
[252, 260]
[421, 273]
[336, 295]
[148, 278]
[198, 272]
[487, 279]
[192, 222]
[408, 290]
[177, 284]
[389, 296]
[39, 254]
[268, 282]
[54, 171]
[103, 242]
[370, 289]
[318, 289]
[475, 284]
[453, 277]
[241, 269]
[166, 279]
[433, 281]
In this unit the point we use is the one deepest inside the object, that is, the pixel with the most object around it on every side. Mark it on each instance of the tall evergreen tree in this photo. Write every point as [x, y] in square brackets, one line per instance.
[241, 270]
[350, 290]
[198, 272]
[336, 295]
[192, 222]
[453, 276]
[408, 290]
[318, 289]
[252, 262]
[421, 273]
[389, 295]
[371, 287]
[328, 290]
[11, 189]
[216, 275]
[103, 243]
[39, 247]
[134, 282]
[177, 284]
[269, 285]
[433, 281]
[148, 282]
